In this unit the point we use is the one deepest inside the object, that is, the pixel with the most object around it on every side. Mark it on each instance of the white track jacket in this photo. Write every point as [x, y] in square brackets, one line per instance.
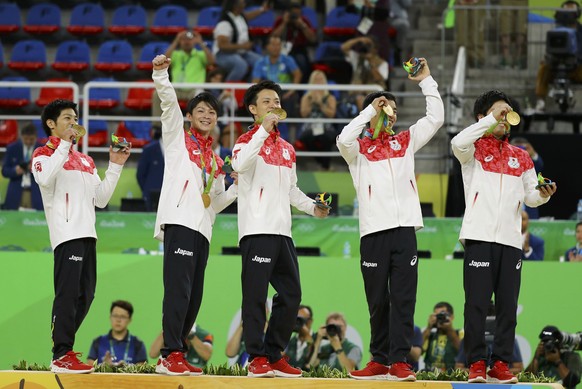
[181, 195]
[383, 169]
[497, 179]
[267, 183]
[71, 189]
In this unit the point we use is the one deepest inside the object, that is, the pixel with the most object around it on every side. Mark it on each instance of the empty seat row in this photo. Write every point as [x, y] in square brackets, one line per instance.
[75, 56]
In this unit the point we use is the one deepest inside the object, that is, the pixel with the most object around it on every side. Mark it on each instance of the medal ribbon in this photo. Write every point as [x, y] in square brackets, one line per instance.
[382, 125]
[125, 354]
[207, 183]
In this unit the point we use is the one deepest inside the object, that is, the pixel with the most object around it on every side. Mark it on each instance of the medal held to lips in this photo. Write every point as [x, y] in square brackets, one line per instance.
[206, 200]
[512, 118]
[388, 110]
[280, 112]
[81, 131]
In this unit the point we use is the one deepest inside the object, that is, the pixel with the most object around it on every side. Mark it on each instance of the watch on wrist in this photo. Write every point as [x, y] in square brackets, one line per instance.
[339, 351]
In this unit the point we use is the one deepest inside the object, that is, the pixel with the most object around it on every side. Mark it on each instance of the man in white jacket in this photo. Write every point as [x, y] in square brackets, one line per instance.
[267, 187]
[498, 179]
[382, 169]
[71, 189]
[192, 193]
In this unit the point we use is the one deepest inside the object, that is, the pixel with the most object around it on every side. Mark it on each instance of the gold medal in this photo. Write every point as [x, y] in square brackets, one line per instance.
[388, 110]
[81, 132]
[206, 200]
[512, 118]
[280, 112]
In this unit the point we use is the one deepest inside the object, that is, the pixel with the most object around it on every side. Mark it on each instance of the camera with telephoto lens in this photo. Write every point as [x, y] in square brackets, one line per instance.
[442, 317]
[332, 330]
[554, 339]
[299, 323]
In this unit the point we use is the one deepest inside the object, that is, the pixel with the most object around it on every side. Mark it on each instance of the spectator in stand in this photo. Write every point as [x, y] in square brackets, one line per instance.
[441, 339]
[533, 246]
[190, 57]
[23, 191]
[399, 21]
[232, 45]
[374, 22]
[574, 254]
[469, 30]
[199, 346]
[513, 31]
[318, 104]
[368, 67]
[226, 100]
[150, 169]
[118, 347]
[296, 33]
[300, 345]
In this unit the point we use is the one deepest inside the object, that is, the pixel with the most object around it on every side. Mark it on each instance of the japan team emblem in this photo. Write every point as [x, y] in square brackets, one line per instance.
[394, 145]
[513, 163]
[286, 154]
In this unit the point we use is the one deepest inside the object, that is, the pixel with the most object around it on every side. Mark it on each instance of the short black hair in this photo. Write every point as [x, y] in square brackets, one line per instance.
[578, 224]
[250, 97]
[205, 97]
[126, 305]
[444, 304]
[28, 129]
[308, 308]
[486, 101]
[53, 110]
[374, 95]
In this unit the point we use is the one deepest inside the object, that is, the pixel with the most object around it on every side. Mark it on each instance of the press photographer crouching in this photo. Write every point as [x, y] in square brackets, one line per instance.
[555, 356]
[300, 345]
[333, 349]
[441, 339]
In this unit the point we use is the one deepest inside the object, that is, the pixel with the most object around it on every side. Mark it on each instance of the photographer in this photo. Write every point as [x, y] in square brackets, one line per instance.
[300, 345]
[333, 349]
[546, 72]
[554, 357]
[441, 339]
[23, 191]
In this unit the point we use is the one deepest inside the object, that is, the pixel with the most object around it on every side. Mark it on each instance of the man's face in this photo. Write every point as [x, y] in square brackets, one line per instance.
[274, 47]
[579, 234]
[119, 319]
[304, 313]
[65, 120]
[503, 126]
[28, 140]
[203, 118]
[187, 42]
[267, 100]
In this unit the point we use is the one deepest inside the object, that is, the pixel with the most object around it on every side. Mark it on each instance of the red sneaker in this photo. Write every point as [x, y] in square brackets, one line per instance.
[173, 364]
[282, 368]
[193, 369]
[372, 371]
[69, 363]
[400, 371]
[260, 367]
[477, 372]
[500, 374]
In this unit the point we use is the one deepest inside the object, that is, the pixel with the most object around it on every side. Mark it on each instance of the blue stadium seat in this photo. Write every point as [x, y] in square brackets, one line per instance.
[1, 55]
[328, 50]
[114, 56]
[9, 18]
[28, 55]
[262, 25]
[14, 97]
[104, 98]
[340, 23]
[87, 19]
[148, 53]
[44, 18]
[207, 19]
[72, 56]
[128, 20]
[169, 20]
[311, 15]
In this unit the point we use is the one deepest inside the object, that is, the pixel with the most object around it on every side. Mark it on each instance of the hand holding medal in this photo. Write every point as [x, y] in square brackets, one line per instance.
[80, 130]
[323, 200]
[118, 143]
[272, 118]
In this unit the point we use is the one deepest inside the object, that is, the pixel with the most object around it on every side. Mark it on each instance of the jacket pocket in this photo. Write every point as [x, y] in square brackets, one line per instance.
[183, 193]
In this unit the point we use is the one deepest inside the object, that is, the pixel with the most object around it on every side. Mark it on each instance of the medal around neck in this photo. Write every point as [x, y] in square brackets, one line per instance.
[323, 200]
[206, 200]
[118, 143]
[81, 132]
[280, 112]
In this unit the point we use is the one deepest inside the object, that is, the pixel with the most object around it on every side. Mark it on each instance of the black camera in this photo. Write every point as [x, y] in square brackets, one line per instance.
[299, 323]
[442, 317]
[332, 330]
[566, 17]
